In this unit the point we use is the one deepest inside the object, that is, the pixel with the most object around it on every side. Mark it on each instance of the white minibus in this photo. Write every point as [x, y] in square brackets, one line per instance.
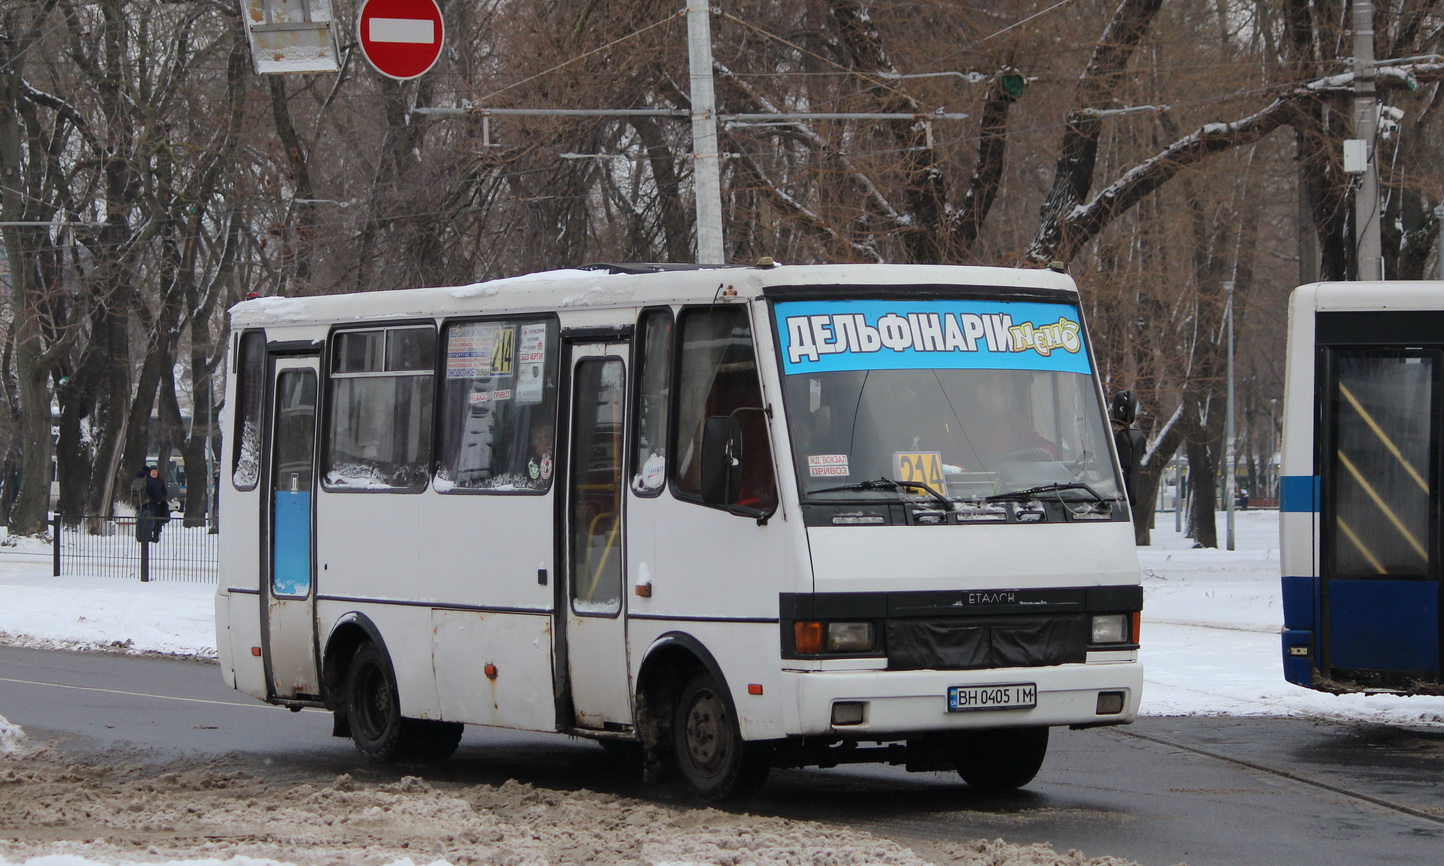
[728, 518]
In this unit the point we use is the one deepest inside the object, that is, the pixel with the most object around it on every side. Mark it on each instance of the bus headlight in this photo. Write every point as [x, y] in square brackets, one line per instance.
[849, 637]
[1110, 628]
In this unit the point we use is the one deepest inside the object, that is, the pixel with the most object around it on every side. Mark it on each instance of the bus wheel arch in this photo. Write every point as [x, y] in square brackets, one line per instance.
[362, 692]
[347, 636]
[688, 723]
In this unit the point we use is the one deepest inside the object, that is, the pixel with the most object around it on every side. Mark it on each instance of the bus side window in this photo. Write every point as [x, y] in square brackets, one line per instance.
[380, 409]
[654, 370]
[498, 406]
[250, 385]
[719, 377]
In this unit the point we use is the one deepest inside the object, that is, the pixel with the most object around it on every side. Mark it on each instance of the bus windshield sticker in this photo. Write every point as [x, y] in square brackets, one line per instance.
[921, 468]
[503, 349]
[469, 350]
[531, 364]
[832, 336]
[827, 465]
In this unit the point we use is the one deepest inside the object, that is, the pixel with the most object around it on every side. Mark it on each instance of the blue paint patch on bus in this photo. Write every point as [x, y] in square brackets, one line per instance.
[1300, 595]
[1299, 493]
[1298, 649]
[291, 544]
[1384, 625]
[833, 336]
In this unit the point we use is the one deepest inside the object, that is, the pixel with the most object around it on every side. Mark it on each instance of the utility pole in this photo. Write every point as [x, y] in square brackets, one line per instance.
[707, 161]
[1370, 263]
[1230, 461]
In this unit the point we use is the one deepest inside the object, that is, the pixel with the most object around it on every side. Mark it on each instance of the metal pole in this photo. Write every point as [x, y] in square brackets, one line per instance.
[210, 453]
[1229, 458]
[1178, 494]
[707, 168]
[1366, 119]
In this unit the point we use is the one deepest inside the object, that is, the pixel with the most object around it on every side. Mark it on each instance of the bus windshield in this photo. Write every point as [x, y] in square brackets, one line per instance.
[890, 407]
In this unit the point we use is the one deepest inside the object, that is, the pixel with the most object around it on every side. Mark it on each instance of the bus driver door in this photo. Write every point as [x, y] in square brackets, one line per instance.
[288, 620]
[593, 624]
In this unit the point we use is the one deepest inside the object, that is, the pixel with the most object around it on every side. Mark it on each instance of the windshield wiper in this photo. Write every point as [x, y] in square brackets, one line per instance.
[891, 484]
[1034, 492]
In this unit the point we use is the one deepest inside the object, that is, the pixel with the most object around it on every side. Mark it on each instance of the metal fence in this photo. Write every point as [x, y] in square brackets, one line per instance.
[107, 547]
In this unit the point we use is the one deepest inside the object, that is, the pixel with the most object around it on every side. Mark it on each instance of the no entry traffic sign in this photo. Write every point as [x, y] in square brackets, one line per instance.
[400, 38]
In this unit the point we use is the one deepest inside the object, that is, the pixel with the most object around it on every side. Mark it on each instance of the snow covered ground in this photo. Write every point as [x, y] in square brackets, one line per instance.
[1210, 637]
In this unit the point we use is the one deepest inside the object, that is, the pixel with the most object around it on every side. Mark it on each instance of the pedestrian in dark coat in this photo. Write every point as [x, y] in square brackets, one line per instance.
[156, 502]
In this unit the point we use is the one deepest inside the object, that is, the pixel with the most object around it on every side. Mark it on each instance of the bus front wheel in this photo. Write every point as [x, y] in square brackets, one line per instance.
[373, 705]
[1003, 759]
[715, 761]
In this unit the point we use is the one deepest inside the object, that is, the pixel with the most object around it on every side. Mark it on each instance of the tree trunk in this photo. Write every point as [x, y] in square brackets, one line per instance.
[1202, 495]
[675, 222]
[159, 357]
[1150, 476]
[111, 417]
[32, 504]
[29, 511]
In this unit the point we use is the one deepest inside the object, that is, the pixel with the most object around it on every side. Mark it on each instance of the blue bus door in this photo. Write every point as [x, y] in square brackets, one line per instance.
[1379, 611]
[289, 617]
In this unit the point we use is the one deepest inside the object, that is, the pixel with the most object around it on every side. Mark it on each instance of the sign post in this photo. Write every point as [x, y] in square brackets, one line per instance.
[401, 39]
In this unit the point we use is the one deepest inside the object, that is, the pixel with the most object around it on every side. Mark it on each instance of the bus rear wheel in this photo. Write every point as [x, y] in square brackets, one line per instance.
[715, 761]
[1003, 759]
[373, 706]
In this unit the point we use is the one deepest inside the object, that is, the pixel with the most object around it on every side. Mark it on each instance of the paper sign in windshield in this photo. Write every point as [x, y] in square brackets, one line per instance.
[829, 336]
[827, 465]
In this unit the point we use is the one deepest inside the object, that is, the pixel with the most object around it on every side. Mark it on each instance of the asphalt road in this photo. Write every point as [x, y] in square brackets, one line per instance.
[1162, 791]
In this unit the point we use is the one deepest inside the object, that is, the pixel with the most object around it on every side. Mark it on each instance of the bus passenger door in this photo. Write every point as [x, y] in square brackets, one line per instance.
[289, 633]
[1380, 593]
[593, 626]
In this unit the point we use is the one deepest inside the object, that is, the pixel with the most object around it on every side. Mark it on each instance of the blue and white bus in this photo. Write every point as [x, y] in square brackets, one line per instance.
[729, 518]
[1359, 518]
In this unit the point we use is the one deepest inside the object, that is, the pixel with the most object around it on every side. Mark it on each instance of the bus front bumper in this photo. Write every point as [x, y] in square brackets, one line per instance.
[869, 705]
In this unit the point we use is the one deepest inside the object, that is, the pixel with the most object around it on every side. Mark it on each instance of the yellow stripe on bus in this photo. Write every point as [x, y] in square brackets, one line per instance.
[1383, 506]
[1384, 437]
[1359, 544]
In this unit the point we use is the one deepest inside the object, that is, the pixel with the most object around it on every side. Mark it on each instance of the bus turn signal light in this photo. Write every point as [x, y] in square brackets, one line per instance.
[808, 636]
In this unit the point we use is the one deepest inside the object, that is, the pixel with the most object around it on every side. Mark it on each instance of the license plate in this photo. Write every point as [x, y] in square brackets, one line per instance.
[1009, 696]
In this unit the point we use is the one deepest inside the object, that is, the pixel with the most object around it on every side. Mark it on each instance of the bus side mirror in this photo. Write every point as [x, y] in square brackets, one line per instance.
[1128, 440]
[721, 460]
[1124, 409]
